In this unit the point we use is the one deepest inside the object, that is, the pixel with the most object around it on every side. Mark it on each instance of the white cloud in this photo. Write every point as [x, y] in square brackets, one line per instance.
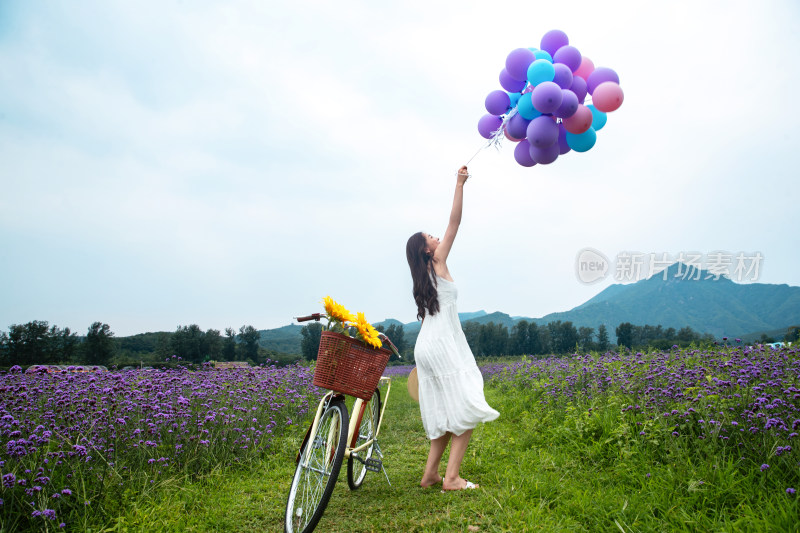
[227, 164]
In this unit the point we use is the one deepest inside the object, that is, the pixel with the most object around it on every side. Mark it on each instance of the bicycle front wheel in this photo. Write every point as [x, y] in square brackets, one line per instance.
[356, 469]
[317, 470]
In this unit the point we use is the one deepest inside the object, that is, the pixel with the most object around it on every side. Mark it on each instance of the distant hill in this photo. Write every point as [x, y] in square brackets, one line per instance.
[388, 322]
[285, 339]
[720, 307]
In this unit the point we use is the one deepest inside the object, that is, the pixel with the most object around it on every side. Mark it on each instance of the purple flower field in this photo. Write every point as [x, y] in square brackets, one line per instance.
[741, 404]
[75, 447]
[72, 443]
[399, 371]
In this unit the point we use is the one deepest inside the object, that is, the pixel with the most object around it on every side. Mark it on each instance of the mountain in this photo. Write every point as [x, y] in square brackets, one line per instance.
[681, 296]
[285, 339]
[720, 307]
[475, 315]
[388, 322]
[412, 328]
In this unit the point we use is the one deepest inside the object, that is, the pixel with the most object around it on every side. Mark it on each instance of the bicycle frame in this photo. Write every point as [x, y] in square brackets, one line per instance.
[355, 422]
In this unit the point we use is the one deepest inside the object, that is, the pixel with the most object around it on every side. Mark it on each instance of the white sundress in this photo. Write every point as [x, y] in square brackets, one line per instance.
[450, 383]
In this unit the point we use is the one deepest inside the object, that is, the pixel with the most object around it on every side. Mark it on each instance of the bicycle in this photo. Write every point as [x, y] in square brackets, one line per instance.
[326, 444]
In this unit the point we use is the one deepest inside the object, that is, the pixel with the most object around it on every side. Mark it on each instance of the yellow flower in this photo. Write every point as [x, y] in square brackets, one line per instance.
[343, 315]
[366, 332]
[329, 305]
[337, 311]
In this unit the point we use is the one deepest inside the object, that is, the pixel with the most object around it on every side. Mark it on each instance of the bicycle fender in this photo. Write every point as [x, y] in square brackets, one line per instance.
[303, 445]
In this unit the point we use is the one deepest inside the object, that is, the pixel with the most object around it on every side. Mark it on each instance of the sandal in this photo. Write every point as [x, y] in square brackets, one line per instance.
[469, 486]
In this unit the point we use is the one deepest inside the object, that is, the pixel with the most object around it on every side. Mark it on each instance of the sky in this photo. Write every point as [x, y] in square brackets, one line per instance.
[166, 163]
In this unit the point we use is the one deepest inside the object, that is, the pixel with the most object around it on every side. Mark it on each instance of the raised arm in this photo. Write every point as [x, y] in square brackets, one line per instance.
[443, 250]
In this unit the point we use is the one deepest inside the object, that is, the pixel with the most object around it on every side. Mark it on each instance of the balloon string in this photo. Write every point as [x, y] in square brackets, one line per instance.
[497, 136]
[484, 145]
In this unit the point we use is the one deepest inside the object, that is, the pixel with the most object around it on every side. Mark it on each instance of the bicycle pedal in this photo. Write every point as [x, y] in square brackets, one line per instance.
[373, 465]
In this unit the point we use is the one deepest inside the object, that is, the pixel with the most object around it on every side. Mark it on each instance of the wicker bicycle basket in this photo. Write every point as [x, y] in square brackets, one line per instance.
[349, 366]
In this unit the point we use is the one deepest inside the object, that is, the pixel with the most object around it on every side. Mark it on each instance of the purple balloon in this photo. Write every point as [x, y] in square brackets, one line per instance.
[517, 126]
[522, 154]
[517, 63]
[546, 97]
[563, 77]
[542, 132]
[600, 75]
[488, 124]
[579, 88]
[568, 55]
[497, 102]
[553, 40]
[569, 104]
[510, 84]
[544, 156]
[563, 147]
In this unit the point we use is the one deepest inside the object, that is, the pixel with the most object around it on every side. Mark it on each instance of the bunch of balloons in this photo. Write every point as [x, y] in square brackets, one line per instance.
[543, 106]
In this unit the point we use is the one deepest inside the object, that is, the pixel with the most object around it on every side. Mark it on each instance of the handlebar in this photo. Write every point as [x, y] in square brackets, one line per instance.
[391, 345]
[315, 316]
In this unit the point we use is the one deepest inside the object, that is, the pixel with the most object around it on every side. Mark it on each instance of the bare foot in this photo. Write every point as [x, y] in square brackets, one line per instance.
[430, 481]
[458, 484]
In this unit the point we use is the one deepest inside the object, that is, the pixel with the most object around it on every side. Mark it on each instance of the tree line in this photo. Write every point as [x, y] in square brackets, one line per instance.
[39, 343]
[528, 338]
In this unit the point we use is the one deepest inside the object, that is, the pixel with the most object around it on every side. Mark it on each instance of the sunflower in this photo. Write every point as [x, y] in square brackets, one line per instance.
[366, 332]
[338, 315]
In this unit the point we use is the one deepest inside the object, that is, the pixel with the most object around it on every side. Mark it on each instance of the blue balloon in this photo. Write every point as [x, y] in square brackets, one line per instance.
[514, 97]
[582, 142]
[541, 54]
[525, 107]
[539, 71]
[598, 118]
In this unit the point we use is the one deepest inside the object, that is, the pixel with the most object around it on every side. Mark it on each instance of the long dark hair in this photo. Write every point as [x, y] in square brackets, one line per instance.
[424, 284]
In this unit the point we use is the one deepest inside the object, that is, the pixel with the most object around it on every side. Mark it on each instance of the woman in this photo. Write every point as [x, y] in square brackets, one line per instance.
[451, 397]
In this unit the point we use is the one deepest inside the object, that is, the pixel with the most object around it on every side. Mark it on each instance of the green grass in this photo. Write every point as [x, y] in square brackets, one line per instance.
[539, 470]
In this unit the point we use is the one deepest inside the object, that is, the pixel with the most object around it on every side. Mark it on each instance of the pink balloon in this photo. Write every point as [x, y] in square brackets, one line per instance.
[585, 69]
[580, 121]
[607, 97]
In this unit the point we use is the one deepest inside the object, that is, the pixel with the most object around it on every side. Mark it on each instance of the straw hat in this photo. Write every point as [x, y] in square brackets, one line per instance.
[413, 385]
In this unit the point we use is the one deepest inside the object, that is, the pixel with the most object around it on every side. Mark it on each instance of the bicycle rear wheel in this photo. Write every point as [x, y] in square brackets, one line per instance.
[357, 470]
[317, 470]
